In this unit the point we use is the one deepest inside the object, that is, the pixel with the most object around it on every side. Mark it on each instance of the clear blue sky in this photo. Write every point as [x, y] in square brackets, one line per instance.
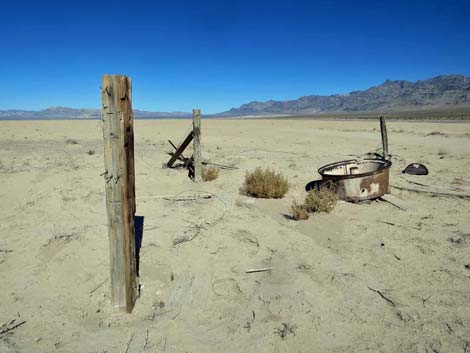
[219, 54]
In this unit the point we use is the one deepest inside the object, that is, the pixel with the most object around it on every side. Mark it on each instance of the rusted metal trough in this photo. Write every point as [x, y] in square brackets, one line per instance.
[358, 180]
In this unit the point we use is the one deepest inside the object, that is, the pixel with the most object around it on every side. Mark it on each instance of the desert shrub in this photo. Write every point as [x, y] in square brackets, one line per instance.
[209, 173]
[71, 141]
[298, 211]
[436, 133]
[91, 152]
[321, 200]
[266, 184]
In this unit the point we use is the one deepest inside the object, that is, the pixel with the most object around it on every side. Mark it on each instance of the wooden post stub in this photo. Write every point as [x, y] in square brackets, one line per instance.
[197, 145]
[118, 136]
[383, 131]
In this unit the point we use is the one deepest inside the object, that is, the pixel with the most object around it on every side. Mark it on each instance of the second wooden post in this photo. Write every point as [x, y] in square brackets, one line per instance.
[383, 131]
[197, 145]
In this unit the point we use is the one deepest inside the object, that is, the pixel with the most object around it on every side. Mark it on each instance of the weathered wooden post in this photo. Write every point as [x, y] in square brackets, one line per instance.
[383, 131]
[197, 145]
[118, 135]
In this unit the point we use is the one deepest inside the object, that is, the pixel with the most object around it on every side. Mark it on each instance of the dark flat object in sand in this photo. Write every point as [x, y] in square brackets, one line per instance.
[416, 169]
[315, 185]
[319, 184]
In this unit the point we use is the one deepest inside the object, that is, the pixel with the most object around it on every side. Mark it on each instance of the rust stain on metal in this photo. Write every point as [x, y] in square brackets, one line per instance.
[358, 180]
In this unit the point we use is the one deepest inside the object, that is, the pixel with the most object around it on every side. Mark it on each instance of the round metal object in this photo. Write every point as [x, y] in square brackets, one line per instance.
[416, 169]
[358, 180]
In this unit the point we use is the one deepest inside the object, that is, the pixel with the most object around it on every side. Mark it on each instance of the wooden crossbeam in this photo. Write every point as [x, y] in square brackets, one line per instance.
[180, 149]
[181, 157]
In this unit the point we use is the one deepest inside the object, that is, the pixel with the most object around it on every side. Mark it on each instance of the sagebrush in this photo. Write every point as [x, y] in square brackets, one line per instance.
[321, 200]
[209, 173]
[71, 141]
[266, 184]
[298, 211]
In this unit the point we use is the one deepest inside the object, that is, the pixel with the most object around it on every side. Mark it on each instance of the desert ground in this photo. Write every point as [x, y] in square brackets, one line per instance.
[368, 277]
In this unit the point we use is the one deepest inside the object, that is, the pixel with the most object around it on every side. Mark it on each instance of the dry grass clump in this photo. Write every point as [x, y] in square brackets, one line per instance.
[299, 211]
[321, 200]
[209, 173]
[266, 184]
[71, 141]
[318, 200]
[436, 133]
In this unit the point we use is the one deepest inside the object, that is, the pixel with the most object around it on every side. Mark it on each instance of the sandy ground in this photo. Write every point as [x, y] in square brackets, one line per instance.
[365, 278]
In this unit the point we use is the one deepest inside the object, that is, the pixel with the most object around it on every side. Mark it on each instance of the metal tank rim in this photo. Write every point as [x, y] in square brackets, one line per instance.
[385, 164]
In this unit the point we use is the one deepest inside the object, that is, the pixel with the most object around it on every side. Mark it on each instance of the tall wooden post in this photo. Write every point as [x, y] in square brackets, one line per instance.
[383, 131]
[118, 136]
[197, 145]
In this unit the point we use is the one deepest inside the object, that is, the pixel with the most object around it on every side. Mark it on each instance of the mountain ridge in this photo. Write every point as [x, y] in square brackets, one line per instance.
[80, 113]
[390, 96]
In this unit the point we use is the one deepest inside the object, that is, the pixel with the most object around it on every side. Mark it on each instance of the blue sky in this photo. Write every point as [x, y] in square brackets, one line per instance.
[220, 54]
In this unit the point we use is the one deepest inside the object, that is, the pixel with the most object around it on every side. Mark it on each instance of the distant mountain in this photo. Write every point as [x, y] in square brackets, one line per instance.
[71, 113]
[390, 96]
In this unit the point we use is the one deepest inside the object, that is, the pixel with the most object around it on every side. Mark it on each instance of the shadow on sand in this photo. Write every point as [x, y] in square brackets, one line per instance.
[139, 235]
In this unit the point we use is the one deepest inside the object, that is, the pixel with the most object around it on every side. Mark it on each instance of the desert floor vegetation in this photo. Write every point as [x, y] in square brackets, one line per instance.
[210, 173]
[321, 200]
[298, 211]
[71, 141]
[265, 183]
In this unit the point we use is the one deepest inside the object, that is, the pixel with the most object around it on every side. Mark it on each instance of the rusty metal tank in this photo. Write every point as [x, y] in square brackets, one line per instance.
[358, 180]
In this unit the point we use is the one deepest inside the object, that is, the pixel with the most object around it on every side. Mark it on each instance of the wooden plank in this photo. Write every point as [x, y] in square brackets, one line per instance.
[180, 149]
[383, 131]
[118, 136]
[181, 157]
[172, 145]
[197, 145]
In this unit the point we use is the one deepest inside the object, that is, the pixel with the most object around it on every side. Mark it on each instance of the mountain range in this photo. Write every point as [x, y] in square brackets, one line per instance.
[71, 113]
[391, 96]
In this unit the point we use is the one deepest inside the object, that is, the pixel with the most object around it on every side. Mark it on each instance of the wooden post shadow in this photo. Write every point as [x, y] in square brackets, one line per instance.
[118, 136]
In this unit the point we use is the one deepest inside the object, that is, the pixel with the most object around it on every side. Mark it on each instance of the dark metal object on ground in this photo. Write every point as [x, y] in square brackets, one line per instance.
[358, 180]
[416, 169]
[314, 185]
[319, 184]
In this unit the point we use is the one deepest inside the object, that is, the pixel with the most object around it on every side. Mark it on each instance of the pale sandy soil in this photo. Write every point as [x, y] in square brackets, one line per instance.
[196, 296]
